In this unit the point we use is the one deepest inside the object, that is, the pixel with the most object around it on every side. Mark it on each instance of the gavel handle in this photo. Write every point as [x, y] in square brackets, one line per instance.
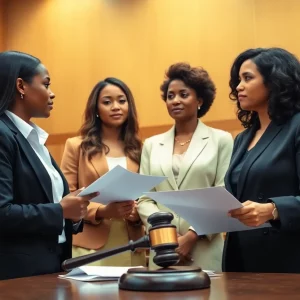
[76, 262]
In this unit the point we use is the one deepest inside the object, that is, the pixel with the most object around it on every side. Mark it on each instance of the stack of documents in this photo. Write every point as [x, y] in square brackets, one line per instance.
[95, 273]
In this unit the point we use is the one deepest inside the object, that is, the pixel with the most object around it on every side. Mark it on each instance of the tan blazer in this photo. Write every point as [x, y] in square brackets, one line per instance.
[204, 165]
[81, 172]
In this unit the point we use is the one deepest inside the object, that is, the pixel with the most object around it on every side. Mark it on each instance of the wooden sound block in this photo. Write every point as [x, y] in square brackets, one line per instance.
[170, 279]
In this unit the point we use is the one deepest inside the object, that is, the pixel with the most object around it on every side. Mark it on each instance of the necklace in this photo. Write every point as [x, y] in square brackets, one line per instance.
[182, 143]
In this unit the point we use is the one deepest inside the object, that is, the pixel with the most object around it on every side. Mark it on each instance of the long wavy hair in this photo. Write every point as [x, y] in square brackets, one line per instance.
[281, 73]
[91, 129]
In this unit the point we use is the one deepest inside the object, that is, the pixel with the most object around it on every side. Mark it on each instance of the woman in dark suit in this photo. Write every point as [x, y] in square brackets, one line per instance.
[37, 215]
[264, 173]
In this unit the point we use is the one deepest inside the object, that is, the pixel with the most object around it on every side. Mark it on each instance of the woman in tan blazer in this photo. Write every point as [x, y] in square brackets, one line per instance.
[191, 154]
[108, 137]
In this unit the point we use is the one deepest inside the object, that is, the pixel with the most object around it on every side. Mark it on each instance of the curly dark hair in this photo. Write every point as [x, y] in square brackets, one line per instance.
[195, 78]
[91, 132]
[281, 73]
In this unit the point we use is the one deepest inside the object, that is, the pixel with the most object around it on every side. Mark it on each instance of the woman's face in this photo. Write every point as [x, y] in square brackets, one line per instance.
[37, 95]
[112, 106]
[182, 102]
[252, 93]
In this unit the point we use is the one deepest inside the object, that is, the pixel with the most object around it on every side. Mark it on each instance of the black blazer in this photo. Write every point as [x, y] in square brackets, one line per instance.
[29, 220]
[270, 172]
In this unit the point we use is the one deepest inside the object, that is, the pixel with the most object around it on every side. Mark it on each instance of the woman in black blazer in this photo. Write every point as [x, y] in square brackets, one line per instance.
[37, 215]
[264, 173]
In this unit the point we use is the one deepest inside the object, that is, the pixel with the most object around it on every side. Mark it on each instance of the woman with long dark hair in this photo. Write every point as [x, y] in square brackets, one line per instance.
[265, 167]
[37, 213]
[108, 137]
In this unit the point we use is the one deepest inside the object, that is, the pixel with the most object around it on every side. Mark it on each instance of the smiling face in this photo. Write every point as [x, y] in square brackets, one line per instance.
[182, 102]
[252, 92]
[37, 96]
[112, 106]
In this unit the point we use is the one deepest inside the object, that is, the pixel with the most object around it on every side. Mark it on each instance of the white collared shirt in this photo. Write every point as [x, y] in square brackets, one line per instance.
[37, 138]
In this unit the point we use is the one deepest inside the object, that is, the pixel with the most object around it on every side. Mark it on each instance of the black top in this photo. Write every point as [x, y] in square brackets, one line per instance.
[235, 174]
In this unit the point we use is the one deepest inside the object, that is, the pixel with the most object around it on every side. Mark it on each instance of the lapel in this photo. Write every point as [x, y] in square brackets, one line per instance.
[166, 156]
[99, 163]
[199, 141]
[258, 149]
[37, 166]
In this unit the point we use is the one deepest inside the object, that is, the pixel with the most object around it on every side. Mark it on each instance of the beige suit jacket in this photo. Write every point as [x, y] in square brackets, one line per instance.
[204, 165]
[81, 172]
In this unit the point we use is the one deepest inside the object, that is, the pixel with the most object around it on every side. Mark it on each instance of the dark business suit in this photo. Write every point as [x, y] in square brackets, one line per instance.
[270, 172]
[30, 222]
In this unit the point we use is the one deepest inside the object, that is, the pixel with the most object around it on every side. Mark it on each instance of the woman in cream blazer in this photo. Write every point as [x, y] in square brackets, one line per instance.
[191, 155]
[114, 104]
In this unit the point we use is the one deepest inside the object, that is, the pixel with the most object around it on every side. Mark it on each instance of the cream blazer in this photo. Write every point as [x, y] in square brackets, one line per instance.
[204, 165]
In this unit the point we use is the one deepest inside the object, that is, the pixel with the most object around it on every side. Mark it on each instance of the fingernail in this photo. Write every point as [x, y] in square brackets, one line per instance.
[229, 214]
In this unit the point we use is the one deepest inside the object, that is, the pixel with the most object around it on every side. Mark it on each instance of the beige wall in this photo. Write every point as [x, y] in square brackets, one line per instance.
[277, 23]
[82, 42]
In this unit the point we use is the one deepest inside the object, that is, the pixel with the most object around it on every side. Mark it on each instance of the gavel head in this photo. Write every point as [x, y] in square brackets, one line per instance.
[163, 239]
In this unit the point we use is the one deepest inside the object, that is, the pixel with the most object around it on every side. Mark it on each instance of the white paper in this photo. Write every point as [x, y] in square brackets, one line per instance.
[120, 184]
[205, 209]
[96, 273]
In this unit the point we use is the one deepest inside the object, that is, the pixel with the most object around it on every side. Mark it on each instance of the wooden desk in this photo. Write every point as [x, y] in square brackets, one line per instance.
[230, 286]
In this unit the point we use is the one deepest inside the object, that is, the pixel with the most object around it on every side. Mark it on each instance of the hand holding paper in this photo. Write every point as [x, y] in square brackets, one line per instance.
[205, 209]
[253, 213]
[120, 184]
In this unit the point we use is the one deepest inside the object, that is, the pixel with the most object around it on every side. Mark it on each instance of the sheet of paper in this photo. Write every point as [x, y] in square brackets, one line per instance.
[205, 209]
[120, 184]
[96, 273]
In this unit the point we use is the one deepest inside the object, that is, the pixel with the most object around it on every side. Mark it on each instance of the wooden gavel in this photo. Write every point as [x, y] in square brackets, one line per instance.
[162, 238]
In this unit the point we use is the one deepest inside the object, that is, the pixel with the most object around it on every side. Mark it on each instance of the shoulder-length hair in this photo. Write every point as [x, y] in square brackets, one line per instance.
[281, 73]
[91, 132]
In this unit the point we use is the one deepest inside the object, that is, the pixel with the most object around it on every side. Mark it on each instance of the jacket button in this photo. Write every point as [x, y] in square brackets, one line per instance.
[260, 196]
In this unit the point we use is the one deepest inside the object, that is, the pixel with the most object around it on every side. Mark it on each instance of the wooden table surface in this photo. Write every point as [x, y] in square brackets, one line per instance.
[233, 286]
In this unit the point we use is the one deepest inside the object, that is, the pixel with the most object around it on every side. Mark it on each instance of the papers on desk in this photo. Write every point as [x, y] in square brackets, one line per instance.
[96, 273]
[120, 184]
[205, 209]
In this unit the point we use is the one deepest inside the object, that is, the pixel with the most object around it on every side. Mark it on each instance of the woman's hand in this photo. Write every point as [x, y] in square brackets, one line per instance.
[134, 215]
[116, 210]
[186, 243]
[252, 213]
